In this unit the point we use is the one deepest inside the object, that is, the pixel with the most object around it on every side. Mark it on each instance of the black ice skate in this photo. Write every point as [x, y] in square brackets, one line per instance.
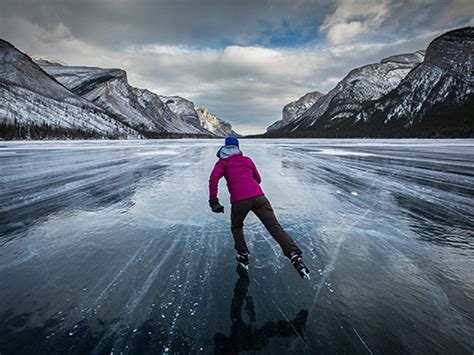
[299, 265]
[243, 259]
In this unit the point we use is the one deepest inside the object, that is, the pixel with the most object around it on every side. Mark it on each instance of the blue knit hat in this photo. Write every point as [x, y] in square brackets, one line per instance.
[232, 140]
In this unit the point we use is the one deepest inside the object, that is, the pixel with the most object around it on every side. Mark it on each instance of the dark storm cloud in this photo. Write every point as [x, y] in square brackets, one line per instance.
[242, 59]
[204, 22]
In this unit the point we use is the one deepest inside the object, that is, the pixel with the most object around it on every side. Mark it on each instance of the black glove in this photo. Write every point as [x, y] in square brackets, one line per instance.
[216, 206]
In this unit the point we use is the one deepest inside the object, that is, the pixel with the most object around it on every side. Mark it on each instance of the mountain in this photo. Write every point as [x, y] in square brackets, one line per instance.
[435, 99]
[214, 124]
[109, 89]
[295, 109]
[34, 104]
[45, 99]
[423, 94]
[184, 109]
[198, 117]
[360, 86]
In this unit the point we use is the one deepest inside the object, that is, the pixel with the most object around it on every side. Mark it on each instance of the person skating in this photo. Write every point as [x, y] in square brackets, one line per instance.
[243, 182]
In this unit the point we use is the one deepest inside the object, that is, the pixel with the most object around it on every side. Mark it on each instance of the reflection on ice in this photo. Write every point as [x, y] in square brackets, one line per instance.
[244, 335]
[111, 247]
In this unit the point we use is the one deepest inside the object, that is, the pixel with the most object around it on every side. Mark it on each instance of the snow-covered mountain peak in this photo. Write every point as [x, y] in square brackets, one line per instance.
[32, 100]
[38, 59]
[181, 106]
[426, 93]
[360, 85]
[452, 49]
[438, 89]
[16, 68]
[80, 79]
[88, 102]
[109, 88]
[185, 109]
[214, 124]
[408, 58]
[295, 109]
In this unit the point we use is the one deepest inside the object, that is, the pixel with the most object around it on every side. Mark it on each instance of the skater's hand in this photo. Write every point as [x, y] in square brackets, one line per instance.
[216, 207]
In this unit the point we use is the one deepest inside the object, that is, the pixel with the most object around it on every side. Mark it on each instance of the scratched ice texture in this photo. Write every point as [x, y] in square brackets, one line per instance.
[110, 247]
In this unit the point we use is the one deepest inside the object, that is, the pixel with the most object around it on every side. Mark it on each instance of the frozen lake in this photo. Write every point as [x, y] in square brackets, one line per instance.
[111, 247]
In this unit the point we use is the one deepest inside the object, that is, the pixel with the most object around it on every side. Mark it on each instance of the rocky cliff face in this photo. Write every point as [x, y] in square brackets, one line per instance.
[214, 124]
[295, 109]
[32, 99]
[436, 98]
[110, 90]
[411, 95]
[360, 86]
[184, 109]
[200, 118]
[45, 99]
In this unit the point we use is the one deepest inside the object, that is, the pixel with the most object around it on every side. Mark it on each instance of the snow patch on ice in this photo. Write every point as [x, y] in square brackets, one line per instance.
[179, 164]
[159, 152]
[341, 152]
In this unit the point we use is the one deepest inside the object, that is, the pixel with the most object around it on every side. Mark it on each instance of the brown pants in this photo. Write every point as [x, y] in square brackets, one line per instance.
[264, 211]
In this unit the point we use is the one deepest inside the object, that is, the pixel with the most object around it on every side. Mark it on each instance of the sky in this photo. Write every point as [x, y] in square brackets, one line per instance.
[243, 59]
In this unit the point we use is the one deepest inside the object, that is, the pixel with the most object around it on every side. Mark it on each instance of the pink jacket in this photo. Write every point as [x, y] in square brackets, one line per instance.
[240, 173]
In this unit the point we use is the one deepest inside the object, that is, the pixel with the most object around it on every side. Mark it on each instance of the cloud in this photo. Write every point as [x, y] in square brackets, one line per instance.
[202, 23]
[351, 18]
[456, 12]
[343, 31]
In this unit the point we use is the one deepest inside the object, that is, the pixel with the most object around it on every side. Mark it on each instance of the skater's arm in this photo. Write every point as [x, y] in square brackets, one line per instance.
[216, 175]
[255, 173]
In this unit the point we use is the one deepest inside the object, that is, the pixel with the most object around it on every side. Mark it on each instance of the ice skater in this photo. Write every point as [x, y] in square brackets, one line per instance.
[243, 182]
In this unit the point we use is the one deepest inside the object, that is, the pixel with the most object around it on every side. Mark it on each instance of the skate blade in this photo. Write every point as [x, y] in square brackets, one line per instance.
[246, 267]
[305, 275]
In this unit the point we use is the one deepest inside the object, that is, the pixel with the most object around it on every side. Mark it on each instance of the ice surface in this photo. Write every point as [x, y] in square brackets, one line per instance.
[110, 247]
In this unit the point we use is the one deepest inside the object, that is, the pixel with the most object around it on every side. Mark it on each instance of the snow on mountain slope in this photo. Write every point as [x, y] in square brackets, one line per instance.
[437, 92]
[295, 109]
[79, 79]
[413, 95]
[29, 96]
[214, 124]
[185, 109]
[16, 68]
[361, 85]
[109, 89]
